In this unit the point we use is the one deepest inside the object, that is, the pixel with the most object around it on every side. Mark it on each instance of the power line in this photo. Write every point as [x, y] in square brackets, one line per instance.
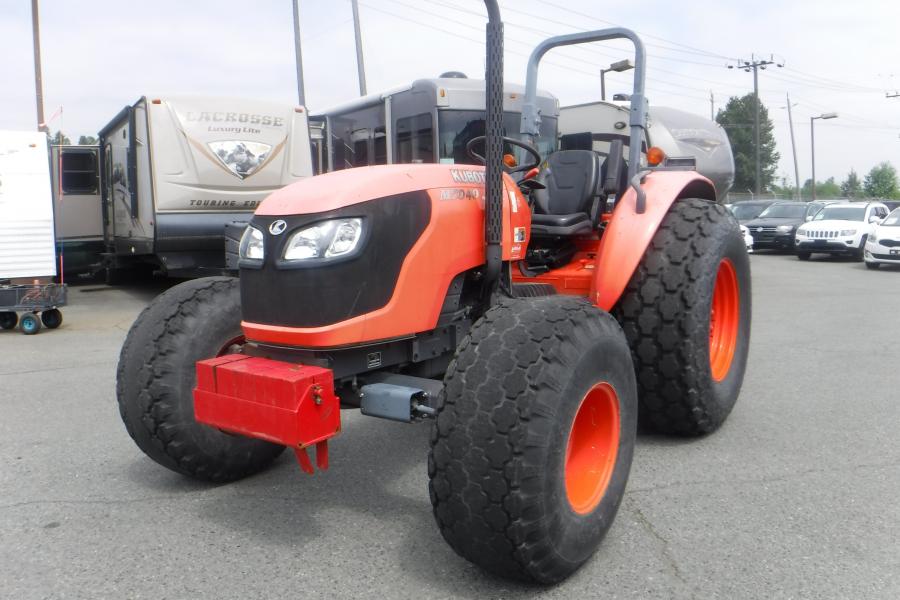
[528, 44]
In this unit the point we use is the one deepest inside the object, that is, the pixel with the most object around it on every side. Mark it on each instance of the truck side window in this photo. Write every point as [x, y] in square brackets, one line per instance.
[78, 172]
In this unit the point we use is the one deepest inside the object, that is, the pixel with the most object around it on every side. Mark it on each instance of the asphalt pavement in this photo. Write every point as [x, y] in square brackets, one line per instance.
[796, 496]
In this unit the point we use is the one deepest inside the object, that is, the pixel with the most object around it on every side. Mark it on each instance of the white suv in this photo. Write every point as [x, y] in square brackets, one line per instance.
[883, 244]
[840, 228]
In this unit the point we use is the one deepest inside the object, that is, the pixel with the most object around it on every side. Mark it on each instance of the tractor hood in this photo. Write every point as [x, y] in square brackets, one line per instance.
[352, 186]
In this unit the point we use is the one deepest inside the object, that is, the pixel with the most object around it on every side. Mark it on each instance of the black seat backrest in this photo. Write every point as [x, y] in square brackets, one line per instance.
[573, 180]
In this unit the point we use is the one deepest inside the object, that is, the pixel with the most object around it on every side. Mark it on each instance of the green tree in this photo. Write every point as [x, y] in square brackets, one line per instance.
[87, 140]
[824, 189]
[881, 182]
[737, 119]
[60, 139]
[852, 186]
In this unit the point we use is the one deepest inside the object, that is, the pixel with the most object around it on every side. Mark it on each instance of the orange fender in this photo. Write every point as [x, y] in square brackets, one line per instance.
[628, 234]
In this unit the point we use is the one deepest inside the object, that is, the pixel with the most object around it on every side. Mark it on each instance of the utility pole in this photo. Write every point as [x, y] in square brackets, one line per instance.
[360, 65]
[301, 93]
[755, 65]
[712, 106]
[812, 141]
[38, 83]
[793, 146]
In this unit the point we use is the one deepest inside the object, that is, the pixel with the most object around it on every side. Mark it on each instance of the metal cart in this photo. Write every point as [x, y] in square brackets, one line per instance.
[38, 302]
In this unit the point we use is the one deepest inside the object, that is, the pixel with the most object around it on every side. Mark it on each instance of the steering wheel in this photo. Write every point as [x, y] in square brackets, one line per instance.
[512, 142]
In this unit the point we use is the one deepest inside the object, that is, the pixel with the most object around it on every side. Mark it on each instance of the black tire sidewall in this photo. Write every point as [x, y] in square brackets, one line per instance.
[156, 378]
[726, 392]
[576, 536]
[51, 318]
[8, 320]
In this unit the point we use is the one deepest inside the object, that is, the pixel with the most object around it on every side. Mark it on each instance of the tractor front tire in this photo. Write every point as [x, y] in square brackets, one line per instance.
[192, 321]
[534, 437]
[686, 314]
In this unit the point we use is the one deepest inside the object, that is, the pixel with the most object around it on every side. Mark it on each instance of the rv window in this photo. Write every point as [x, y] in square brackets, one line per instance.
[79, 172]
[415, 139]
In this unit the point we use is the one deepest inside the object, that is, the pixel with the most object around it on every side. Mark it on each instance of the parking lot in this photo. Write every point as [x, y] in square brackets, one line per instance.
[795, 497]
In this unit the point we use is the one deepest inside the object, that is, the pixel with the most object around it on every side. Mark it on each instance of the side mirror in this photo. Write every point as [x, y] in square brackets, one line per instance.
[809, 218]
[874, 220]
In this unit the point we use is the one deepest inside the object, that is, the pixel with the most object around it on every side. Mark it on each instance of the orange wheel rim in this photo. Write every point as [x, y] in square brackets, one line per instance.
[592, 448]
[724, 319]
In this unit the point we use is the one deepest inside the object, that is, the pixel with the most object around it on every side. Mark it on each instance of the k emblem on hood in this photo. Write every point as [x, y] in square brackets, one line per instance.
[241, 158]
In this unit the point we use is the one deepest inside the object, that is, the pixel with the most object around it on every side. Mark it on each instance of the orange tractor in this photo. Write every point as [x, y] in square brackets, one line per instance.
[532, 315]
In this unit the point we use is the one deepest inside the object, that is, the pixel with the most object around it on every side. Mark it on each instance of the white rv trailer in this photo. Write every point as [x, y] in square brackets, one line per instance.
[429, 121]
[175, 170]
[678, 133]
[27, 247]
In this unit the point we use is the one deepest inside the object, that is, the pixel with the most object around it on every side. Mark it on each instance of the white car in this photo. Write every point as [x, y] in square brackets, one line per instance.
[748, 239]
[840, 228]
[883, 244]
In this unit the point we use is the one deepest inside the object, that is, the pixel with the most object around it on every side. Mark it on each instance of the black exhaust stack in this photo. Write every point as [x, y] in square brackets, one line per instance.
[493, 185]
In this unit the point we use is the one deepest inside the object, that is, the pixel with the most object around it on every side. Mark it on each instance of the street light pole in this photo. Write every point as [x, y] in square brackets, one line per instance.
[301, 94]
[38, 82]
[754, 65]
[618, 67]
[812, 140]
[360, 65]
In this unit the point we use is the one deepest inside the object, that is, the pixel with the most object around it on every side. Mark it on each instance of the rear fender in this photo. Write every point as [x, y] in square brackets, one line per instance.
[628, 234]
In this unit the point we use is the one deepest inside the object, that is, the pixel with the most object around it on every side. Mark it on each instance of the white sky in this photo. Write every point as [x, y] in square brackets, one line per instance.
[99, 55]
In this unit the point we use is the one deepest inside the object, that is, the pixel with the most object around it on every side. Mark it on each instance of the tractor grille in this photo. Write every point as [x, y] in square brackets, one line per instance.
[324, 294]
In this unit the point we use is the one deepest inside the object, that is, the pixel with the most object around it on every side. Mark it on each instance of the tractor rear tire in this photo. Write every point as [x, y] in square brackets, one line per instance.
[534, 437]
[686, 313]
[192, 321]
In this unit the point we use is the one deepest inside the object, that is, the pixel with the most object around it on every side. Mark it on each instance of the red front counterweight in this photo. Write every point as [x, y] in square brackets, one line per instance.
[279, 402]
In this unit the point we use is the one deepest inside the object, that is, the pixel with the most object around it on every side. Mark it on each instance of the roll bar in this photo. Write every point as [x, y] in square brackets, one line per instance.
[531, 115]
[493, 221]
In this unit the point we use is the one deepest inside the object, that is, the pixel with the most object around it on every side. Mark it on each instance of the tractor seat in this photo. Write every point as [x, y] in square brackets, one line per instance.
[573, 185]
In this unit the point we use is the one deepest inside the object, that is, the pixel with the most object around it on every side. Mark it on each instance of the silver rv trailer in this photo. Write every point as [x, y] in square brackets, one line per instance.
[175, 171]
[75, 177]
[429, 121]
[676, 132]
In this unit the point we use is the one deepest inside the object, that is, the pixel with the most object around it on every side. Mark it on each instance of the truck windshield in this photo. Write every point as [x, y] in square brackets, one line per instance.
[841, 213]
[457, 127]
